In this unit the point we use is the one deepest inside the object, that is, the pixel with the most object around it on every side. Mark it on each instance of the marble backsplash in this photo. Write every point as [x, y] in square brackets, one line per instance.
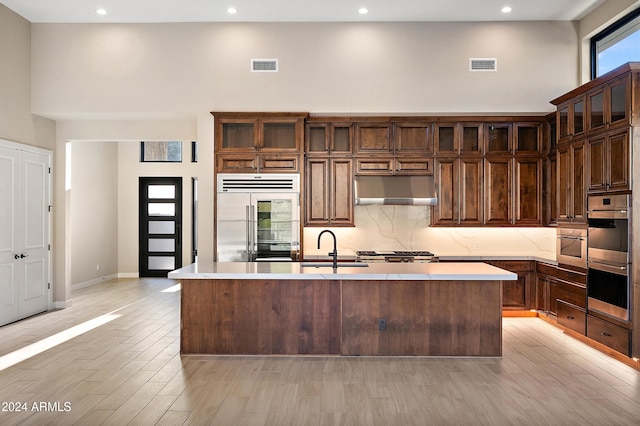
[407, 228]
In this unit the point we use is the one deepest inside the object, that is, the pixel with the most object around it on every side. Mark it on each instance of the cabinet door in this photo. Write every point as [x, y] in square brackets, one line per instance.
[564, 184]
[341, 196]
[281, 134]
[552, 188]
[447, 183]
[595, 109]
[471, 200]
[446, 138]
[578, 180]
[471, 138]
[563, 115]
[317, 191]
[373, 138]
[618, 102]
[498, 190]
[317, 138]
[341, 139]
[498, 139]
[413, 138]
[597, 161]
[618, 161]
[236, 134]
[528, 138]
[553, 296]
[528, 191]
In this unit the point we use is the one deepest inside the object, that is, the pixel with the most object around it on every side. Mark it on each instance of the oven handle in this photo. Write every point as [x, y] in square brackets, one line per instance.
[608, 214]
[562, 237]
[614, 269]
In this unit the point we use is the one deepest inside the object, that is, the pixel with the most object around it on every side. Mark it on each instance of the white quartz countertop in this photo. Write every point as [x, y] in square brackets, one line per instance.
[449, 271]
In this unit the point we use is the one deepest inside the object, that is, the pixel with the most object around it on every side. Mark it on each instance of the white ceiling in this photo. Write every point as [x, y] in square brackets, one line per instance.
[298, 10]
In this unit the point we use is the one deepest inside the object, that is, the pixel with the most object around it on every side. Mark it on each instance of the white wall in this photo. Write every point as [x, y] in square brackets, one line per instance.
[156, 70]
[94, 211]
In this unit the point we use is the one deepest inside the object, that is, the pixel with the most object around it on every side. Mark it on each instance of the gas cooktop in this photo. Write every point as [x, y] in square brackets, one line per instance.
[395, 255]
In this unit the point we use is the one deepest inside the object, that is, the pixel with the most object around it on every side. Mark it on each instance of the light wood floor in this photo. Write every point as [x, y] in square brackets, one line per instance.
[129, 371]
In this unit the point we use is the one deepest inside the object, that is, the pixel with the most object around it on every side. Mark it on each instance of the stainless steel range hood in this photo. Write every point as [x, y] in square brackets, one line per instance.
[395, 190]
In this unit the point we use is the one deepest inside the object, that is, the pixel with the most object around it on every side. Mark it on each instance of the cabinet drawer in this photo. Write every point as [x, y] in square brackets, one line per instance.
[571, 293]
[572, 317]
[414, 166]
[375, 166]
[236, 163]
[609, 334]
[279, 163]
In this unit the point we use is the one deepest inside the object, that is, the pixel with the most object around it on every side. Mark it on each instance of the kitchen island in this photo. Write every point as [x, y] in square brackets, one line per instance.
[427, 309]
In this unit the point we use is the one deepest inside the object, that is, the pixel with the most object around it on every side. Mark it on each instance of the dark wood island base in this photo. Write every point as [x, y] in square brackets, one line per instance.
[341, 317]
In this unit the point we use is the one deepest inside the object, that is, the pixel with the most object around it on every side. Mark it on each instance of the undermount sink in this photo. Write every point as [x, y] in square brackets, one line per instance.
[330, 265]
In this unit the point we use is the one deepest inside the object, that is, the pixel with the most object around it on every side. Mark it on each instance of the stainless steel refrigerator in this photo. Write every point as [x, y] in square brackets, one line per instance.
[257, 217]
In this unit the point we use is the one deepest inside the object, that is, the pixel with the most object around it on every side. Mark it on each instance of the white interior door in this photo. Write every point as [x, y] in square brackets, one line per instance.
[24, 233]
[34, 233]
[9, 243]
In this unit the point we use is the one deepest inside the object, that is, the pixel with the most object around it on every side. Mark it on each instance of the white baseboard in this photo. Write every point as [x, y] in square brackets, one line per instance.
[93, 281]
[62, 304]
[128, 275]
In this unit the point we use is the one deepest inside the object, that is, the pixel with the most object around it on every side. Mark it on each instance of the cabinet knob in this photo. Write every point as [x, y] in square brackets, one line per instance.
[605, 334]
[570, 317]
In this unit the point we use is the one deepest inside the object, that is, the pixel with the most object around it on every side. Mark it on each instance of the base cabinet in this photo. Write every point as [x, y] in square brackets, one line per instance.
[572, 317]
[611, 335]
[519, 294]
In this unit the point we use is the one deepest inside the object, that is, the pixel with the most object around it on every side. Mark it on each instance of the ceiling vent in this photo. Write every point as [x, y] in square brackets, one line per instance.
[264, 65]
[483, 64]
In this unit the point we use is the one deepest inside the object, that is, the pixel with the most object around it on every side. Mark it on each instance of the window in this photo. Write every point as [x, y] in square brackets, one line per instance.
[616, 45]
[161, 151]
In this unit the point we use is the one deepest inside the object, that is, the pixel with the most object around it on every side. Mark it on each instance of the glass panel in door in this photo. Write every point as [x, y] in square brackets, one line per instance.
[277, 226]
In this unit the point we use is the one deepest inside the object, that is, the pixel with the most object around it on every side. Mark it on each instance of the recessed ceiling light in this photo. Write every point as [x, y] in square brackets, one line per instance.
[363, 11]
[506, 9]
[101, 11]
[232, 11]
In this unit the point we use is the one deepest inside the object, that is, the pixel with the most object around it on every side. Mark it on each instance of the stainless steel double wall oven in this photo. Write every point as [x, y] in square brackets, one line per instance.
[608, 255]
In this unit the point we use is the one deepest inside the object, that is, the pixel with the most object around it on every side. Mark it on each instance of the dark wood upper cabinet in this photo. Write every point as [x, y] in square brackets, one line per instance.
[328, 138]
[570, 185]
[328, 187]
[458, 138]
[373, 138]
[528, 197]
[609, 162]
[246, 132]
[498, 139]
[412, 138]
[528, 138]
[498, 177]
[609, 105]
[460, 185]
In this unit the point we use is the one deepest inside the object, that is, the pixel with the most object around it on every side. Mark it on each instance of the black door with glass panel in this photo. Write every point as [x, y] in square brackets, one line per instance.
[160, 225]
